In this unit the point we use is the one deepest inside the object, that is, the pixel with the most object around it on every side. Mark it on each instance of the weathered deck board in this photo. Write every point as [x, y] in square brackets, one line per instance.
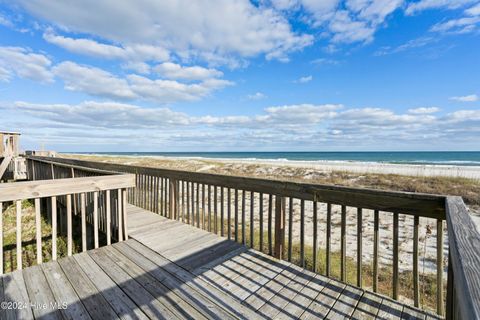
[171, 270]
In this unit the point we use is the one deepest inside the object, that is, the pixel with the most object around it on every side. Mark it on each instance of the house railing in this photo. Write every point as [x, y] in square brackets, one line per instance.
[305, 223]
[64, 202]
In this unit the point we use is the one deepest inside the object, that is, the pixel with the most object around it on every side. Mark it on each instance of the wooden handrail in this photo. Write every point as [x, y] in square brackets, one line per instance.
[50, 188]
[425, 205]
[463, 298]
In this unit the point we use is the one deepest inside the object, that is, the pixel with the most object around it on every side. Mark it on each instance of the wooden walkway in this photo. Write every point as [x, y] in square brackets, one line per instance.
[169, 270]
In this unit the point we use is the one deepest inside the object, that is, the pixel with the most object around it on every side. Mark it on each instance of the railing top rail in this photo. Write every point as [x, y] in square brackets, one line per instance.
[71, 166]
[58, 187]
[425, 205]
[464, 244]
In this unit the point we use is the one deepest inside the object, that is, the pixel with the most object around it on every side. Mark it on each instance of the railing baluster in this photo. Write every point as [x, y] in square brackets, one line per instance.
[359, 246]
[290, 226]
[215, 208]
[54, 227]
[375, 250]
[198, 205]
[279, 226]
[109, 217]
[244, 241]
[188, 201]
[315, 241]
[209, 218]
[124, 214]
[302, 233]
[192, 202]
[229, 214]
[395, 257]
[19, 234]
[270, 211]
[260, 212]
[343, 243]
[69, 225]
[38, 232]
[416, 290]
[252, 224]
[440, 305]
[1, 237]
[222, 211]
[95, 219]
[119, 213]
[328, 244]
[203, 208]
[84, 222]
[236, 215]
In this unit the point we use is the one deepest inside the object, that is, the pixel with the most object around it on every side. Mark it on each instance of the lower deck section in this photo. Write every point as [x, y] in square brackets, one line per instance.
[169, 270]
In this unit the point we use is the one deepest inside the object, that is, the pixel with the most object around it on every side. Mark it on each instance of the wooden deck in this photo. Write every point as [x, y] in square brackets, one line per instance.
[168, 269]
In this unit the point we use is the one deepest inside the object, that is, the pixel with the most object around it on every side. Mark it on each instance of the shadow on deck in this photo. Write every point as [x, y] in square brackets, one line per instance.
[168, 269]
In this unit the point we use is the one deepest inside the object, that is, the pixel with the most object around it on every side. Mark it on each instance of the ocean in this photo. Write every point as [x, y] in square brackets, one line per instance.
[459, 158]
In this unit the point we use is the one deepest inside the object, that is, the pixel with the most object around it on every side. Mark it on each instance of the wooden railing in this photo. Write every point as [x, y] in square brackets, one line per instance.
[68, 204]
[463, 294]
[303, 223]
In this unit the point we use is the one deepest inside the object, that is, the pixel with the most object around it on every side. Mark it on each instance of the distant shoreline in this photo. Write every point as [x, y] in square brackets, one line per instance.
[424, 170]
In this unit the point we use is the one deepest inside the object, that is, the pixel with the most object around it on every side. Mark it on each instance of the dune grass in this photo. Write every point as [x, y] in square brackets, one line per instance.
[29, 247]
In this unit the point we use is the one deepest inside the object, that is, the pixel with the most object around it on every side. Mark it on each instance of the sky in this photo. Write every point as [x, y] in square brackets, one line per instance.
[239, 75]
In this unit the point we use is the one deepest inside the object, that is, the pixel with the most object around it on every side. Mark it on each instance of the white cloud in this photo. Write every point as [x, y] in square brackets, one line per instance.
[256, 96]
[93, 81]
[24, 63]
[300, 114]
[104, 114]
[473, 11]
[4, 21]
[459, 26]
[424, 110]
[226, 29]
[421, 5]
[304, 79]
[98, 82]
[467, 98]
[325, 61]
[411, 44]
[96, 49]
[352, 20]
[175, 71]
[165, 91]
[305, 125]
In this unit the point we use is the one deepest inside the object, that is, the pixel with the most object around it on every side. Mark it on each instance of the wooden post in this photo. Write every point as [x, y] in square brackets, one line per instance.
[343, 245]
[172, 199]
[95, 219]
[359, 246]
[416, 291]
[279, 226]
[395, 257]
[1, 237]
[125, 216]
[440, 305]
[54, 228]
[2, 146]
[19, 235]
[119, 215]
[109, 215]
[84, 222]
[69, 225]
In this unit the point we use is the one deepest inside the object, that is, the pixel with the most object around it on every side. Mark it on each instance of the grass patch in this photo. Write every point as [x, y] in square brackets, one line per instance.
[29, 247]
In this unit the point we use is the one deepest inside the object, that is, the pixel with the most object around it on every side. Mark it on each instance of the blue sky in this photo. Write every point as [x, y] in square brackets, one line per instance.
[300, 75]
